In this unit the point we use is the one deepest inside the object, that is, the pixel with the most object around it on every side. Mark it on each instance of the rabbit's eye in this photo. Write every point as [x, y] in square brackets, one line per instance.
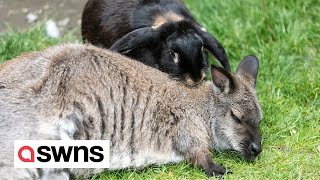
[175, 56]
[204, 51]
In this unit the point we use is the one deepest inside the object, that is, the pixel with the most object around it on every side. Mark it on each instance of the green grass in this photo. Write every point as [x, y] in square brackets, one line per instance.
[14, 43]
[285, 35]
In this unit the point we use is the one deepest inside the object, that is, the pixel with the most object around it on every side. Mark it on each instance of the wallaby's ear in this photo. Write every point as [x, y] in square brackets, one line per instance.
[222, 79]
[134, 39]
[248, 69]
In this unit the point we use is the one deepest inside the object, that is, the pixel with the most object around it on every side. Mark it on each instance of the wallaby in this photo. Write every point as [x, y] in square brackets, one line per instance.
[81, 92]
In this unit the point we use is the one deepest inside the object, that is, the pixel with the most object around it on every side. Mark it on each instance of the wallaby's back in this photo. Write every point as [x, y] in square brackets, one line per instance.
[82, 92]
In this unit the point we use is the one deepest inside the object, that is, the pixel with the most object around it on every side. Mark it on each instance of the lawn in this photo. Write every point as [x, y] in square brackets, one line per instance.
[285, 35]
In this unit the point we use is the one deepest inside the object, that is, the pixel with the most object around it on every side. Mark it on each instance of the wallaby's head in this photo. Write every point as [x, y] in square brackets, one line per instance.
[237, 113]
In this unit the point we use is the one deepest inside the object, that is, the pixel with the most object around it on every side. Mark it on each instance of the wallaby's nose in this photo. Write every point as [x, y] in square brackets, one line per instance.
[255, 149]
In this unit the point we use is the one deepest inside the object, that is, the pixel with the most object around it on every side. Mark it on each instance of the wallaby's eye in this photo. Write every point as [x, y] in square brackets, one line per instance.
[175, 56]
[172, 53]
[235, 118]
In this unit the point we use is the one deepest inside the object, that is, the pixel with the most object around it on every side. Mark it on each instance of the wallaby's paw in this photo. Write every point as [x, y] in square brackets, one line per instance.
[215, 170]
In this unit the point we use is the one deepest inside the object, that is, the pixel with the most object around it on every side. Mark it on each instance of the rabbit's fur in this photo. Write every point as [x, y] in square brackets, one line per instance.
[160, 33]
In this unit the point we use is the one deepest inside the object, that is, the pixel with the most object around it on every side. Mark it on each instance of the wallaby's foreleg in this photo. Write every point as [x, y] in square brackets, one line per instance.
[202, 159]
[196, 151]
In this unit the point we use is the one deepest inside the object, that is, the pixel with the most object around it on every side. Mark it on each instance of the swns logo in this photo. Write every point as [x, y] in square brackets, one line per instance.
[61, 153]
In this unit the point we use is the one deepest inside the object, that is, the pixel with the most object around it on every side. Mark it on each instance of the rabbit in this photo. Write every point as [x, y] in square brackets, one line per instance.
[160, 33]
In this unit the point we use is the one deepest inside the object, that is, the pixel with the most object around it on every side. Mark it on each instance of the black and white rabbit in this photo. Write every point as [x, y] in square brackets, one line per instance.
[160, 33]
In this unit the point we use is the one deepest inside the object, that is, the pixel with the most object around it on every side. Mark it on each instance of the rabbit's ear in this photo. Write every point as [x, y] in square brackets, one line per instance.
[222, 80]
[248, 69]
[214, 47]
[135, 39]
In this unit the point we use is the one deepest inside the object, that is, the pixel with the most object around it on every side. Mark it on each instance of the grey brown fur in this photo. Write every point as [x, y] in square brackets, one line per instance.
[83, 92]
